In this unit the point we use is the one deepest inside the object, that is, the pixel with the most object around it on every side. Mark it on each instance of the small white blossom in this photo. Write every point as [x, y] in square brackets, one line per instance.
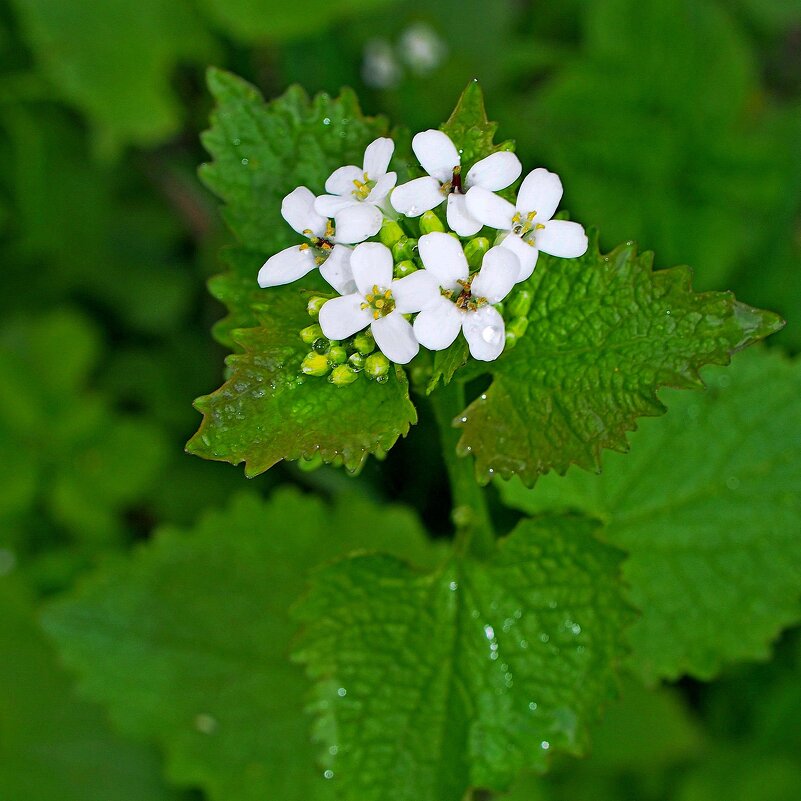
[379, 302]
[439, 158]
[380, 67]
[323, 250]
[356, 194]
[421, 48]
[528, 222]
[453, 301]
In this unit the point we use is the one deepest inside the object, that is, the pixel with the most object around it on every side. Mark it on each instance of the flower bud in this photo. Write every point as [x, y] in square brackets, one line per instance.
[310, 333]
[356, 361]
[314, 305]
[364, 343]
[315, 364]
[390, 233]
[404, 268]
[520, 303]
[337, 355]
[430, 223]
[475, 249]
[377, 367]
[515, 330]
[321, 345]
[404, 248]
[342, 375]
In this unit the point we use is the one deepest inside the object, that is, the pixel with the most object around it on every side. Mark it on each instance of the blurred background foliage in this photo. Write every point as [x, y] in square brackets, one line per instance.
[676, 123]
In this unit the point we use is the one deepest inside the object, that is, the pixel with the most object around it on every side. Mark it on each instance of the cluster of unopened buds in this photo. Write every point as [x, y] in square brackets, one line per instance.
[398, 292]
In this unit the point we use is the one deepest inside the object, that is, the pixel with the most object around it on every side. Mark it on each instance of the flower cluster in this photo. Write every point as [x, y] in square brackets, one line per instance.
[411, 291]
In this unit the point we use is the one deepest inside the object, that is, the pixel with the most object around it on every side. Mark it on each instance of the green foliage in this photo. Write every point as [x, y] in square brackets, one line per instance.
[55, 747]
[187, 641]
[471, 672]
[707, 505]
[605, 332]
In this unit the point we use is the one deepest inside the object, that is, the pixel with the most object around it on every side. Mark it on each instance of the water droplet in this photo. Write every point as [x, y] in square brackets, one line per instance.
[667, 311]
[545, 745]
[342, 692]
[532, 706]
[489, 632]
[333, 750]
[326, 120]
[493, 655]
[523, 644]
[236, 142]
[464, 419]
[544, 637]
[575, 628]
[474, 614]
[245, 162]
[205, 723]
[328, 774]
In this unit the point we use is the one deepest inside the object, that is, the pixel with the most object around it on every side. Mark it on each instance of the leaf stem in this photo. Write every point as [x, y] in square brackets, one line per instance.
[470, 515]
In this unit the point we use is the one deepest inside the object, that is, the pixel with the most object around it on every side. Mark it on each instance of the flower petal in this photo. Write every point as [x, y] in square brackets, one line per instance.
[497, 276]
[287, 266]
[343, 317]
[436, 153]
[438, 326]
[416, 291]
[377, 156]
[459, 219]
[372, 265]
[490, 209]
[395, 337]
[485, 333]
[382, 187]
[526, 255]
[297, 208]
[337, 271]
[562, 238]
[340, 182]
[416, 197]
[444, 258]
[330, 205]
[496, 171]
[357, 222]
[540, 191]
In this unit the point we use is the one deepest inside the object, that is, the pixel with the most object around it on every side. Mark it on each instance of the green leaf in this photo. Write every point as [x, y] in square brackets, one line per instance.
[261, 152]
[54, 747]
[268, 411]
[187, 641]
[708, 506]
[469, 129]
[254, 21]
[605, 332]
[113, 60]
[427, 684]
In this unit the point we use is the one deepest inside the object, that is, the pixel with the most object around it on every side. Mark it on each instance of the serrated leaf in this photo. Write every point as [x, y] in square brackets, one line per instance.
[186, 642]
[605, 332]
[55, 747]
[427, 684]
[261, 152]
[112, 60]
[268, 411]
[468, 126]
[709, 508]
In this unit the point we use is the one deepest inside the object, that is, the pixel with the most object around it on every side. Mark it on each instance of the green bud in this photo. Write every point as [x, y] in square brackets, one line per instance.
[342, 375]
[321, 345]
[364, 342]
[404, 248]
[315, 364]
[377, 367]
[475, 249]
[314, 305]
[430, 223]
[520, 303]
[337, 355]
[390, 233]
[404, 268]
[310, 333]
[515, 330]
[356, 361]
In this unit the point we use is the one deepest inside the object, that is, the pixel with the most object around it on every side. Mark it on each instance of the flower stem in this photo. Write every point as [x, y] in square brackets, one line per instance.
[474, 532]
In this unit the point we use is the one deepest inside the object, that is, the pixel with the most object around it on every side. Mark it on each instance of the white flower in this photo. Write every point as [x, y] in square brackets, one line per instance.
[529, 222]
[378, 302]
[440, 159]
[322, 250]
[454, 301]
[355, 194]
[380, 68]
[421, 48]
